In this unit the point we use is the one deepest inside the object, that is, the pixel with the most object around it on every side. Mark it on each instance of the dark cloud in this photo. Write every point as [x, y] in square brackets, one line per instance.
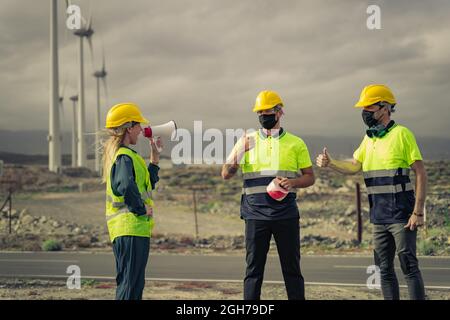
[208, 59]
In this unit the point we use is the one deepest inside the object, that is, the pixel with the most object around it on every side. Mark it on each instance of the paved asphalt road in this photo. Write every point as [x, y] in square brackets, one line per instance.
[340, 270]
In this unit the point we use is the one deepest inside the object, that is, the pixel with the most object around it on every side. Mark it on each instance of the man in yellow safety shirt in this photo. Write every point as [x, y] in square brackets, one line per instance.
[386, 156]
[271, 154]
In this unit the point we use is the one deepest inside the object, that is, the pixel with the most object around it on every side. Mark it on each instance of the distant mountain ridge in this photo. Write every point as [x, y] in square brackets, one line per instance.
[35, 143]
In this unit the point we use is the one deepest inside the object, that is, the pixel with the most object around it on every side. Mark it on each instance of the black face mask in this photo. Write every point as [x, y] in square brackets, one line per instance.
[369, 119]
[268, 121]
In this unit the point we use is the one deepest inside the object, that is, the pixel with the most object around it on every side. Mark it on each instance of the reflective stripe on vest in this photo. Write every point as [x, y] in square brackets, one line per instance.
[121, 204]
[255, 190]
[390, 188]
[270, 173]
[376, 181]
[386, 173]
[118, 212]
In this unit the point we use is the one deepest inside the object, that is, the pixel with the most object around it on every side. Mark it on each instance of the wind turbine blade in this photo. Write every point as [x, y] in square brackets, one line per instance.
[63, 88]
[91, 49]
[83, 22]
[61, 107]
[61, 100]
[89, 24]
[103, 59]
[105, 87]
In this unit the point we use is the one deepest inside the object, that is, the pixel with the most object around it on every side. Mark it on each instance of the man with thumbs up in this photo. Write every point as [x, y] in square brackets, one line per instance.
[386, 155]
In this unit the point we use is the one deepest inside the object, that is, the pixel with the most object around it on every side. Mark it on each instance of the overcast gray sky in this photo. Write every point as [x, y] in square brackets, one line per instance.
[208, 59]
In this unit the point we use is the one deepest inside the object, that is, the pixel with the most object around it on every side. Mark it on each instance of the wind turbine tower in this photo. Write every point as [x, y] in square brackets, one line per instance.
[99, 75]
[85, 31]
[74, 130]
[54, 135]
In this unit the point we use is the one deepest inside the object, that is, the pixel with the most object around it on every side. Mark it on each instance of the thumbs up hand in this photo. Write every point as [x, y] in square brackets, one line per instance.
[323, 160]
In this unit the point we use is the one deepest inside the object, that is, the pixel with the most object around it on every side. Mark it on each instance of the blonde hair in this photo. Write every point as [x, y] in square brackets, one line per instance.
[110, 147]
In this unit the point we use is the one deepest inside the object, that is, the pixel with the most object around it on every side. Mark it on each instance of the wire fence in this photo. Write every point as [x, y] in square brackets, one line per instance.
[196, 195]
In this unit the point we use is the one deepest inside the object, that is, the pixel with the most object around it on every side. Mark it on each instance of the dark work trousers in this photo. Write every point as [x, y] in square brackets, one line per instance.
[131, 255]
[389, 240]
[257, 240]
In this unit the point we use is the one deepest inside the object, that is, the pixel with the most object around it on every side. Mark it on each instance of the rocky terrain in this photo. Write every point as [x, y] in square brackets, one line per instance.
[29, 232]
[69, 209]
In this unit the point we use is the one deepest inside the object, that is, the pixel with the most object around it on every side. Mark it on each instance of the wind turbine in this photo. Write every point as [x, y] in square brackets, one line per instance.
[74, 130]
[61, 105]
[61, 119]
[85, 31]
[54, 134]
[101, 74]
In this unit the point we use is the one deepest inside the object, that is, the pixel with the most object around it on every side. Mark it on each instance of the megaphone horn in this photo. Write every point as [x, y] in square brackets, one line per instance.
[166, 129]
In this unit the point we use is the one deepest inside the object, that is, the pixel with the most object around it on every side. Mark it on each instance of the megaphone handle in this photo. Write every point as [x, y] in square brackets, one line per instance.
[158, 145]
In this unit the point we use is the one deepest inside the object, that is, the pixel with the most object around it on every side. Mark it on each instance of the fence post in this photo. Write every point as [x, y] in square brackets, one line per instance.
[425, 218]
[10, 208]
[358, 212]
[195, 213]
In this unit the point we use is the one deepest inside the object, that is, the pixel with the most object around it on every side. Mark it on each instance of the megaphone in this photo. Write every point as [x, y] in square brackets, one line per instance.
[166, 129]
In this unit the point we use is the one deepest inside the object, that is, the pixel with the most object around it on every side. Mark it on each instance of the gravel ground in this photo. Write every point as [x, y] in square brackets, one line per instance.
[27, 289]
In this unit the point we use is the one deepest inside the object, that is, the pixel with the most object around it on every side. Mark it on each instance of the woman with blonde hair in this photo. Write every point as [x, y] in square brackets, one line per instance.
[129, 205]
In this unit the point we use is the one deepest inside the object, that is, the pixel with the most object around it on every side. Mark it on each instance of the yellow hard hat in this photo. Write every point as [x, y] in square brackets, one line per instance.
[267, 100]
[375, 93]
[122, 113]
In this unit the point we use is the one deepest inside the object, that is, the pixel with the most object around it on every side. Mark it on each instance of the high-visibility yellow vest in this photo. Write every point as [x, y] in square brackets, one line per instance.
[386, 163]
[120, 221]
[277, 155]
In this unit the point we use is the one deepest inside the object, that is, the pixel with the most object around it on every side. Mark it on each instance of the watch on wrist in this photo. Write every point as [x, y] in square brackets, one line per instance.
[418, 214]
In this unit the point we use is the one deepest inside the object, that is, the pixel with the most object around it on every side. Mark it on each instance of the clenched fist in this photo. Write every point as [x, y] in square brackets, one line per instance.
[244, 144]
[149, 212]
[249, 142]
